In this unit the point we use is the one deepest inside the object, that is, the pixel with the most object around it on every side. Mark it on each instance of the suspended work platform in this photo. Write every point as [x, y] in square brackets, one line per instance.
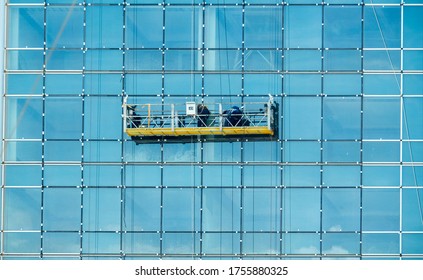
[150, 123]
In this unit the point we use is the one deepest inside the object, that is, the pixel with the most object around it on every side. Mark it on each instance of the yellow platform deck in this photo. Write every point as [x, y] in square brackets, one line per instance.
[188, 131]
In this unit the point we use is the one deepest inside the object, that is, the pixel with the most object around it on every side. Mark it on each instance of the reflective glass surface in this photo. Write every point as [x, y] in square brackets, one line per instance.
[341, 178]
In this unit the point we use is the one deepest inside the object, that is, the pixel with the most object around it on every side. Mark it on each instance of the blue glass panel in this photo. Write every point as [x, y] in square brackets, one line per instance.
[261, 176]
[382, 60]
[223, 60]
[100, 242]
[260, 152]
[303, 60]
[301, 176]
[299, 151]
[105, 60]
[181, 176]
[341, 243]
[412, 151]
[412, 243]
[13, 175]
[221, 152]
[65, 27]
[301, 243]
[413, 84]
[412, 175]
[381, 175]
[101, 21]
[103, 84]
[143, 84]
[62, 209]
[341, 210]
[25, 27]
[221, 209]
[382, 26]
[62, 151]
[187, 152]
[303, 26]
[100, 175]
[412, 215]
[261, 243]
[381, 124]
[221, 243]
[94, 151]
[261, 210]
[24, 60]
[341, 176]
[222, 84]
[64, 60]
[381, 151]
[183, 28]
[263, 60]
[413, 27]
[63, 118]
[24, 84]
[381, 209]
[341, 118]
[343, 151]
[342, 27]
[103, 117]
[101, 209]
[263, 27]
[262, 84]
[223, 27]
[141, 153]
[302, 84]
[142, 176]
[182, 60]
[413, 118]
[144, 27]
[302, 112]
[381, 84]
[181, 243]
[141, 243]
[23, 210]
[183, 84]
[61, 242]
[62, 175]
[222, 176]
[22, 151]
[345, 84]
[413, 60]
[22, 242]
[339, 60]
[142, 209]
[55, 84]
[381, 243]
[181, 209]
[143, 60]
[301, 209]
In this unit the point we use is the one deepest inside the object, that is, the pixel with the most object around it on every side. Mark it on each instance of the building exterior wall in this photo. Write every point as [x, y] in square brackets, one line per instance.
[343, 180]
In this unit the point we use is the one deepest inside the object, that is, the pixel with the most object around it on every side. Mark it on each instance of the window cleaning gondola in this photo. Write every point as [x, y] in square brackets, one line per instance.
[207, 122]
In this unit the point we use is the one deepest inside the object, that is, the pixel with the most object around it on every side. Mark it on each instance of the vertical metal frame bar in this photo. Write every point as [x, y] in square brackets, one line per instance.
[322, 96]
[401, 126]
[3, 39]
[361, 127]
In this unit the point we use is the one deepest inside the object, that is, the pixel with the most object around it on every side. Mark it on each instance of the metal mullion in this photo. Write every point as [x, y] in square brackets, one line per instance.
[201, 143]
[361, 128]
[321, 131]
[122, 165]
[241, 236]
[281, 140]
[161, 144]
[43, 129]
[401, 126]
[84, 61]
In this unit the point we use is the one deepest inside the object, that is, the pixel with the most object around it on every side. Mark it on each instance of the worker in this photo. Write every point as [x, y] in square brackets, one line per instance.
[203, 115]
[134, 119]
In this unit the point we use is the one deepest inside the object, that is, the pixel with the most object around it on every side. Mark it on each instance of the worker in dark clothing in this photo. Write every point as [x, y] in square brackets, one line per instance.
[235, 117]
[134, 119]
[203, 115]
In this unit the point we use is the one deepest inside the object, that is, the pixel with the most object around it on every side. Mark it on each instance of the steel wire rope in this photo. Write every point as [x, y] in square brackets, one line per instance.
[413, 167]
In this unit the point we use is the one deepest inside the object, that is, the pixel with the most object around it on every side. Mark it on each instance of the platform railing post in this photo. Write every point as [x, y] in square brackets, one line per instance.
[173, 117]
[220, 117]
[269, 115]
[124, 115]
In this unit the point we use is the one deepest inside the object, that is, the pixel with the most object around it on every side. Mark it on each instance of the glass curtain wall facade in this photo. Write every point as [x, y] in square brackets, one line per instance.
[343, 180]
